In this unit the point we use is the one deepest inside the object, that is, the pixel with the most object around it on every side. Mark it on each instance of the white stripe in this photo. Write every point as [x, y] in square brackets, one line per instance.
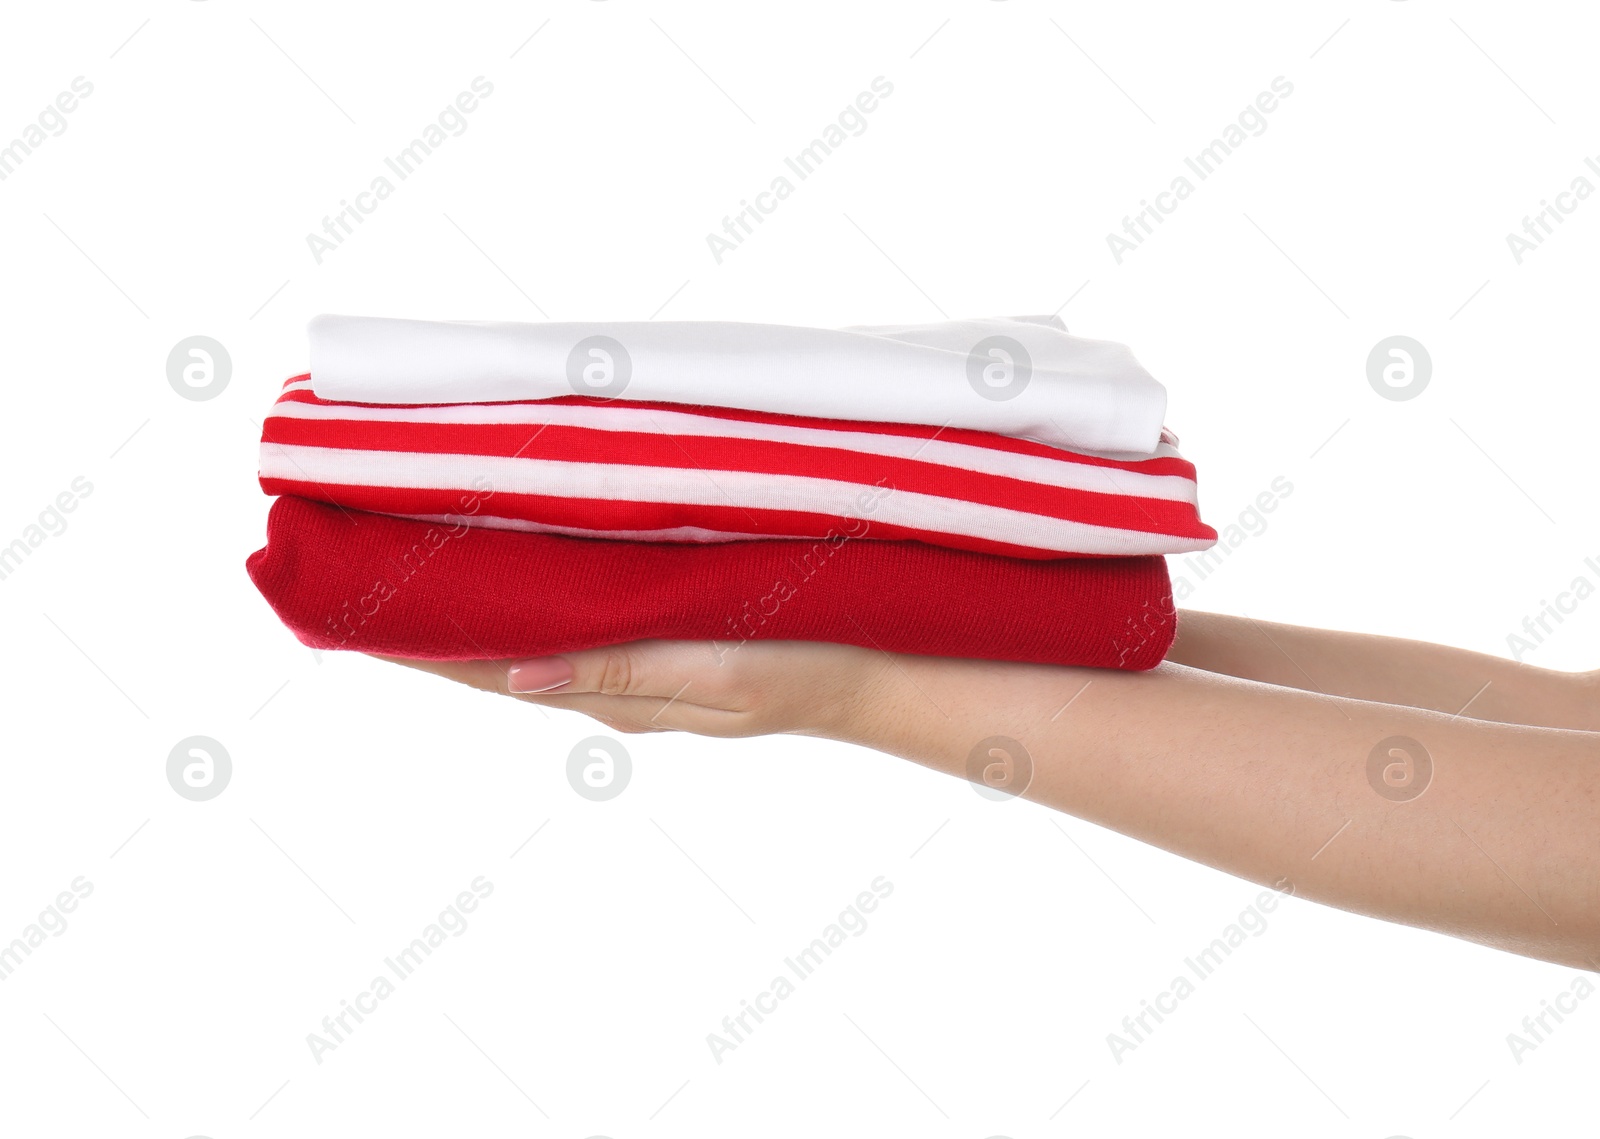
[613, 482]
[1065, 472]
[695, 534]
[687, 422]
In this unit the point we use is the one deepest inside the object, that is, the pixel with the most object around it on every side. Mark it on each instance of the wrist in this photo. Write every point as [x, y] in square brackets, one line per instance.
[858, 692]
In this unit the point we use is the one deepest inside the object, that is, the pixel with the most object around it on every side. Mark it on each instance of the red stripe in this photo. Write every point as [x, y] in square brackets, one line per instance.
[588, 514]
[968, 436]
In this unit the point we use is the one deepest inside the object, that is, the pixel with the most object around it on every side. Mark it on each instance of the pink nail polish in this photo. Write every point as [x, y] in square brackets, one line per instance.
[542, 674]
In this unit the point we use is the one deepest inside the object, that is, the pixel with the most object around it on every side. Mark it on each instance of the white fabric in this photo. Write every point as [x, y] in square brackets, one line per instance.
[1080, 394]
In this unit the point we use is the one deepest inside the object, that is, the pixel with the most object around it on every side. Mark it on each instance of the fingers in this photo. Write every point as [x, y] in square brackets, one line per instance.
[623, 713]
[668, 670]
[707, 687]
[650, 714]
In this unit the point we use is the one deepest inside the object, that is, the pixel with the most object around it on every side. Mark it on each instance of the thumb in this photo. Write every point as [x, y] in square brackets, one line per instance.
[662, 669]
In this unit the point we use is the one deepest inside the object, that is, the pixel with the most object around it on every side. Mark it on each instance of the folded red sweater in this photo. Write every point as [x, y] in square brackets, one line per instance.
[343, 579]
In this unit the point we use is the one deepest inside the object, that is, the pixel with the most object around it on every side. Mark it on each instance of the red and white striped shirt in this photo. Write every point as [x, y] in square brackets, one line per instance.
[663, 472]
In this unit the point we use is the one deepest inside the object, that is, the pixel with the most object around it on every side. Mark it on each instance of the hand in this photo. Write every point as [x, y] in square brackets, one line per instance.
[755, 688]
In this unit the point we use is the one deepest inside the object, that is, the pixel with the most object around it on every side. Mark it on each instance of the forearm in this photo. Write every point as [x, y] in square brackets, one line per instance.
[1390, 670]
[1270, 783]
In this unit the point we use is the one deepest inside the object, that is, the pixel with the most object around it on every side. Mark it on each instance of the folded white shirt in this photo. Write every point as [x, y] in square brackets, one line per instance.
[1024, 377]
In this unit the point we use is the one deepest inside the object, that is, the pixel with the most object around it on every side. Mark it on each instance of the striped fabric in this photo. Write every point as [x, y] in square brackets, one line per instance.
[657, 472]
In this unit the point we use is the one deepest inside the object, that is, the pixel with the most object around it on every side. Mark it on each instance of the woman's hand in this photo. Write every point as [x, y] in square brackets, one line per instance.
[711, 689]
[1495, 826]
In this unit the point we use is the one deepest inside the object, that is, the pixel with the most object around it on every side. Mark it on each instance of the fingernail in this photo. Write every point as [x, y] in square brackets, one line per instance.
[542, 674]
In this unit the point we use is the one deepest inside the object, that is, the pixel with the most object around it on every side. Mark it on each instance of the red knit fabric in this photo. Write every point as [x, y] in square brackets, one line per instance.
[344, 579]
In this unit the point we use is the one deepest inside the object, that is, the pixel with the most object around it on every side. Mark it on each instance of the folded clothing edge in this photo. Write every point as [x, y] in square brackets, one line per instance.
[350, 580]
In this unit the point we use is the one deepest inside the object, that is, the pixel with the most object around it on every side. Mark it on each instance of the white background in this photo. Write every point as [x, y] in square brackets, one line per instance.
[364, 797]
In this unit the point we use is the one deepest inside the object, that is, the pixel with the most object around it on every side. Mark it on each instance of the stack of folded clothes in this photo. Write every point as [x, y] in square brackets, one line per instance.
[994, 489]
